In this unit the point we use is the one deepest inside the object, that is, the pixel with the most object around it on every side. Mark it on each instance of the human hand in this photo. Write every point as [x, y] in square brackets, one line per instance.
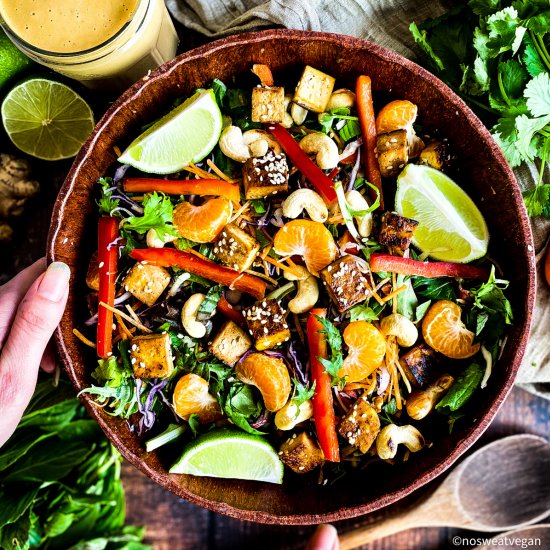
[31, 306]
[324, 538]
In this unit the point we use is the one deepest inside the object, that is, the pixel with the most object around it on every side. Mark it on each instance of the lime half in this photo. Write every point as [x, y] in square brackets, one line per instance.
[186, 134]
[451, 227]
[230, 454]
[46, 119]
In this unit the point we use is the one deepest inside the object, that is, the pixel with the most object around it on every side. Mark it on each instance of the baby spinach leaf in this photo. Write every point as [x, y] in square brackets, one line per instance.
[462, 389]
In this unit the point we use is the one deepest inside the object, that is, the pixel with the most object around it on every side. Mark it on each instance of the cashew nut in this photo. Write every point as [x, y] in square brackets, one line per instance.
[298, 113]
[341, 98]
[326, 150]
[422, 403]
[358, 202]
[189, 311]
[392, 435]
[259, 141]
[306, 297]
[154, 241]
[287, 119]
[308, 200]
[402, 328]
[232, 144]
[291, 414]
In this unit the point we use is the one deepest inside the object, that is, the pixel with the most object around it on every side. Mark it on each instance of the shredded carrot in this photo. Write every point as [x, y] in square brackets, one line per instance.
[281, 266]
[402, 288]
[200, 172]
[261, 275]
[394, 287]
[137, 323]
[217, 171]
[123, 327]
[117, 151]
[197, 254]
[240, 211]
[266, 251]
[83, 338]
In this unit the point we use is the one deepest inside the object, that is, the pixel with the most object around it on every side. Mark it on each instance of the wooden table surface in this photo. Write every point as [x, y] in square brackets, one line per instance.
[174, 524]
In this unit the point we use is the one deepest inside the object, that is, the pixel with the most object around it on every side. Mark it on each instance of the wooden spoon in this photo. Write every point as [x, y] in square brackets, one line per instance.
[502, 486]
[520, 538]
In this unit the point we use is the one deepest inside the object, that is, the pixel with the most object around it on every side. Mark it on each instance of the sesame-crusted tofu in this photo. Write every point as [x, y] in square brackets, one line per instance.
[396, 232]
[92, 275]
[419, 364]
[436, 155]
[264, 176]
[235, 247]
[151, 356]
[361, 425]
[301, 454]
[230, 343]
[267, 324]
[314, 90]
[345, 283]
[146, 282]
[268, 104]
[392, 151]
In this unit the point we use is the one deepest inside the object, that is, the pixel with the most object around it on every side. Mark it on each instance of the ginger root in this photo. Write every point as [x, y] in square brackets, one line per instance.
[15, 189]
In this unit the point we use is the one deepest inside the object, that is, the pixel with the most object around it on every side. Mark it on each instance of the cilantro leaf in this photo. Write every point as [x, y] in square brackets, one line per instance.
[537, 199]
[106, 203]
[527, 134]
[362, 312]
[484, 7]
[511, 78]
[241, 407]
[336, 359]
[302, 393]
[421, 38]
[157, 215]
[531, 58]
[537, 93]
[539, 23]
[505, 31]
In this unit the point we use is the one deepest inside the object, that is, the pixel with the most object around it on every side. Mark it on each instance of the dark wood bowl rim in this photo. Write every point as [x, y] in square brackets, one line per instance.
[516, 198]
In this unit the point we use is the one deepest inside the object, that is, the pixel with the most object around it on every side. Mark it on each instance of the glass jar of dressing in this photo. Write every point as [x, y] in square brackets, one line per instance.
[105, 44]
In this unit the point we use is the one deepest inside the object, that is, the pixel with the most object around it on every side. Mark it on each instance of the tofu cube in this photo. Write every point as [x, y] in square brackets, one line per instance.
[345, 283]
[235, 247]
[230, 343]
[396, 232]
[264, 176]
[392, 151]
[419, 365]
[146, 282]
[92, 275]
[151, 356]
[436, 155]
[361, 425]
[267, 324]
[268, 104]
[314, 90]
[301, 454]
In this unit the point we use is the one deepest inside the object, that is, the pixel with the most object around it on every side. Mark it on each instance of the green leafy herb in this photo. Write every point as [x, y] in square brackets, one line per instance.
[259, 206]
[462, 389]
[436, 288]
[421, 310]
[241, 406]
[194, 424]
[350, 129]
[106, 203]
[362, 312]
[157, 215]
[64, 489]
[326, 120]
[336, 359]
[495, 53]
[302, 393]
[208, 305]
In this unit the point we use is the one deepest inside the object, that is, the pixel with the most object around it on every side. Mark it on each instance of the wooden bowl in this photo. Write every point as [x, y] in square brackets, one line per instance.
[485, 175]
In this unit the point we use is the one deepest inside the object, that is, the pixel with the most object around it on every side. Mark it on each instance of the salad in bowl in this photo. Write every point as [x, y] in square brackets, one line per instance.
[290, 280]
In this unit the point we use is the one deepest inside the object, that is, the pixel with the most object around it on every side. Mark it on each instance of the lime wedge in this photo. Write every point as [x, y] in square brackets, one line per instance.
[451, 227]
[186, 134]
[12, 61]
[46, 119]
[230, 454]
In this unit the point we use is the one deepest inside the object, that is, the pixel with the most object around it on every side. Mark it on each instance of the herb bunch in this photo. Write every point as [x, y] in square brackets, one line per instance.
[495, 54]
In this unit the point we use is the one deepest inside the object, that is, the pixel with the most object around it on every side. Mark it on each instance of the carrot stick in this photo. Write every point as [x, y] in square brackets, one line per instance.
[365, 111]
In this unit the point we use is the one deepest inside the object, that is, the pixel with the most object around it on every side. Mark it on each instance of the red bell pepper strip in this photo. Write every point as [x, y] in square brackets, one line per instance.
[170, 257]
[107, 257]
[365, 111]
[407, 266]
[228, 311]
[323, 409]
[322, 183]
[215, 187]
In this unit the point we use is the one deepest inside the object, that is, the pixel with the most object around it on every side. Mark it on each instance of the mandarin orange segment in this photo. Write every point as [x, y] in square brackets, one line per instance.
[310, 240]
[444, 331]
[269, 374]
[366, 350]
[202, 223]
[396, 115]
[192, 396]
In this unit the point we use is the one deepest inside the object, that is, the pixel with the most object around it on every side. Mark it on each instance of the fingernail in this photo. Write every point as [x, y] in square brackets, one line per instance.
[55, 281]
[325, 538]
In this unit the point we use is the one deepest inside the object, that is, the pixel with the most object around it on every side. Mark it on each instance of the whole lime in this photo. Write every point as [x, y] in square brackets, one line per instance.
[12, 61]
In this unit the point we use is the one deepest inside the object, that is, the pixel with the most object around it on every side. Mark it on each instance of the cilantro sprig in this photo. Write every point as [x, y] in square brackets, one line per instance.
[336, 359]
[495, 54]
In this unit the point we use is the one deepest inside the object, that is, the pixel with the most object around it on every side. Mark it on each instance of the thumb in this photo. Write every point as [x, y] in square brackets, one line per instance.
[324, 538]
[37, 317]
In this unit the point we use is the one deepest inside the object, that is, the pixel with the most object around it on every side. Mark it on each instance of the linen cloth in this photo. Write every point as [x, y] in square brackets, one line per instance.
[384, 22]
